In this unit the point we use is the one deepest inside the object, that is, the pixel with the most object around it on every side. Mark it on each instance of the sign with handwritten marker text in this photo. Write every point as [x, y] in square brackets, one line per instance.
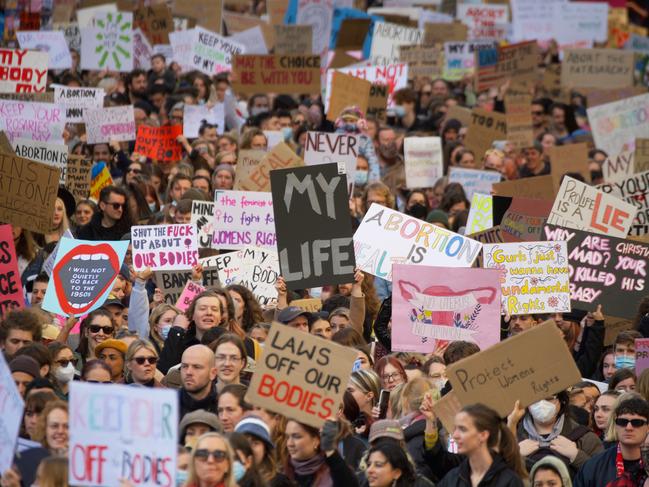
[164, 247]
[23, 71]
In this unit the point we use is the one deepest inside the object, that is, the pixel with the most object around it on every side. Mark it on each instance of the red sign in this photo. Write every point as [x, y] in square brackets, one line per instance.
[159, 143]
[11, 288]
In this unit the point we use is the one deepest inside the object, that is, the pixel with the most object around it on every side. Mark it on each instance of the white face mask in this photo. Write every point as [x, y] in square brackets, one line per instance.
[65, 374]
[543, 411]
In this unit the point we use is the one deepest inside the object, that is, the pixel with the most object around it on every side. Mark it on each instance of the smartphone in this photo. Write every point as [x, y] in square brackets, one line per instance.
[384, 399]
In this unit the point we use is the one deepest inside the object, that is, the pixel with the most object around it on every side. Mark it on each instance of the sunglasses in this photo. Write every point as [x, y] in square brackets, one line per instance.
[108, 330]
[141, 360]
[116, 206]
[204, 454]
[64, 363]
[636, 423]
[135, 170]
[99, 381]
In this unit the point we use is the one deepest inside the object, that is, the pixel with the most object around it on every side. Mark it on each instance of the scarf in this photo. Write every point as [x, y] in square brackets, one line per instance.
[311, 466]
[623, 478]
[530, 429]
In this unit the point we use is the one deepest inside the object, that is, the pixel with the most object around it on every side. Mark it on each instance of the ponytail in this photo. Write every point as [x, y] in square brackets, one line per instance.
[510, 451]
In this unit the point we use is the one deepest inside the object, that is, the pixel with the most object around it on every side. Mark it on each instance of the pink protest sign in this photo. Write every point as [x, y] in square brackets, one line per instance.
[187, 296]
[432, 306]
[23, 71]
[641, 355]
[164, 247]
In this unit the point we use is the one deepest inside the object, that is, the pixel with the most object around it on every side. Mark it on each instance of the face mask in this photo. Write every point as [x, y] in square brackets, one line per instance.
[624, 362]
[65, 374]
[399, 111]
[439, 383]
[350, 127]
[254, 111]
[238, 471]
[181, 477]
[288, 133]
[360, 178]
[388, 151]
[417, 210]
[164, 331]
[543, 411]
[153, 207]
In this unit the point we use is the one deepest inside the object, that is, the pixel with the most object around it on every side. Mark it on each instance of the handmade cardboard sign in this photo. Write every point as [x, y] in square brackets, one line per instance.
[518, 62]
[32, 120]
[108, 44]
[597, 68]
[164, 247]
[12, 414]
[55, 155]
[423, 62]
[568, 158]
[446, 408]
[283, 73]
[293, 39]
[618, 167]
[518, 118]
[159, 143]
[243, 218]
[378, 102]
[106, 124]
[300, 375]
[75, 99]
[423, 160]
[190, 291]
[325, 148]
[253, 167]
[195, 115]
[347, 91]
[641, 155]
[319, 250]
[534, 276]
[485, 127]
[474, 180]
[211, 53]
[437, 33]
[433, 306]
[386, 39]
[520, 219]
[156, 22]
[172, 283]
[460, 58]
[318, 14]
[383, 78]
[480, 215]
[203, 218]
[583, 207]
[99, 178]
[387, 237]
[527, 367]
[633, 190]
[10, 284]
[23, 71]
[142, 50]
[83, 275]
[538, 187]
[77, 177]
[134, 420]
[50, 41]
[641, 355]
[484, 21]
[312, 305]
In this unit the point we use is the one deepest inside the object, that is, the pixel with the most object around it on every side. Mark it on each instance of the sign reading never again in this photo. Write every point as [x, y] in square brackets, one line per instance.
[314, 232]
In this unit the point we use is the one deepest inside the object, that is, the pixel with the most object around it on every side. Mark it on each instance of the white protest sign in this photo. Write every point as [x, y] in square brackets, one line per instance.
[617, 167]
[474, 180]
[583, 207]
[203, 218]
[423, 159]
[212, 53]
[23, 71]
[532, 19]
[387, 38]
[55, 155]
[273, 137]
[11, 415]
[242, 219]
[480, 214]
[109, 44]
[194, 115]
[252, 39]
[387, 237]
[319, 15]
[106, 124]
[124, 432]
[75, 99]
[71, 33]
[580, 21]
[86, 16]
[395, 76]
[142, 50]
[459, 58]
[633, 190]
[325, 148]
[164, 247]
[50, 41]
[32, 120]
[484, 21]
[181, 44]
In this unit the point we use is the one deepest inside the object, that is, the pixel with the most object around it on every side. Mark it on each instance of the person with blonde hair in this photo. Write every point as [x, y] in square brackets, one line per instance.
[52, 472]
[140, 364]
[211, 463]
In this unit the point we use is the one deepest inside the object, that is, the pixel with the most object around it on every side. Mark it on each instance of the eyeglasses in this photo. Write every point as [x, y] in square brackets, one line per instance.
[390, 377]
[64, 363]
[108, 330]
[141, 360]
[228, 358]
[99, 381]
[135, 170]
[204, 454]
[636, 423]
[116, 206]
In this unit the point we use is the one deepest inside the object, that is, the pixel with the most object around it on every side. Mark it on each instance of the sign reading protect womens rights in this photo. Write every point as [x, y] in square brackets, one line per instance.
[164, 247]
[11, 287]
[122, 432]
[11, 413]
[300, 376]
[387, 237]
[83, 275]
[433, 306]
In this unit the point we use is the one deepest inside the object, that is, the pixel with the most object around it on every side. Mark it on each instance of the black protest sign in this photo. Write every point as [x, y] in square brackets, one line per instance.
[603, 270]
[314, 230]
[171, 283]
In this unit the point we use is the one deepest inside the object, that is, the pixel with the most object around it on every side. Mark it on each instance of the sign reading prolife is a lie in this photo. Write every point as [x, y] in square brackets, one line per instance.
[164, 247]
[10, 286]
[22, 71]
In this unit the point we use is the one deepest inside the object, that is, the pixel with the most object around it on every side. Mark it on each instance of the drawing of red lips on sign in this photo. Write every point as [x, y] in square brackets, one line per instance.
[83, 275]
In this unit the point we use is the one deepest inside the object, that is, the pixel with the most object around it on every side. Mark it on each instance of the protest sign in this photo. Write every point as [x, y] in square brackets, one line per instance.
[618, 167]
[423, 161]
[633, 190]
[243, 218]
[389, 78]
[210, 53]
[473, 180]
[11, 413]
[182, 46]
[378, 102]
[71, 33]
[172, 283]
[583, 207]
[300, 375]
[485, 127]
[190, 291]
[615, 125]
[32, 120]
[77, 176]
[423, 62]
[293, 39]
[319, 15]
[446, 408]
[312, 305]
[438, 33]
[164, 247]
[460, 58]
[581, 21]
[106, 124]
[347, 91]
[527, 367]
[252, 39]
[433, 306]
[75, 99]
[641, 155]
[23, 71]
[142, 50]
[600, 263]
[273, 137]
[203, 218]
[195, 115]
[319, 250]
[538, 187]
[534, 276]
[83, 275]
[518, 118]
[253, 174]
[597, 68]
[135, 439]
[641, 355]
[159, 143]
[480, 214]
[248, 161]
[520, 219]
[387, 38]
[484, 21]
[156, 22]
[28, 191]
[568, 158]
[99, 178]
[55, 155]
[108, 44]
[325, 148]
[207, 13]
[279, 73]
[10, 284]
[50, 41]
[387, 237]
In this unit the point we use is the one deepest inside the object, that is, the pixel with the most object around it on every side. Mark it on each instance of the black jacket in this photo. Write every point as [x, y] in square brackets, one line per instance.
[176, 343]
[498, 475]
[95, 231]
[414, 436]
[381, 330]
[188, 404]
[599, 470]
[592, 344]
[339, 471]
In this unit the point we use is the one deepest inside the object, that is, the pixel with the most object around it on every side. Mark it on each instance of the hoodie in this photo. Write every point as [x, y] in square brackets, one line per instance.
[553, 463]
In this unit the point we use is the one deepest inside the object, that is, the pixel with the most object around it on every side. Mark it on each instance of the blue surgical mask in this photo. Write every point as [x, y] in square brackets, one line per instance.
[238, 470]
[164, 331]
[624, 362]
[360, 178]
[399, 111]
[287, 132]
[181, 477]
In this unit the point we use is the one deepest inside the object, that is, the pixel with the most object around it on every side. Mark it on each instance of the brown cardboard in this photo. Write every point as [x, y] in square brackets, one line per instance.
[457, 112]
[5, 145]
[539, 187]
[488, 236]
[29, 190]
[597, 68]
[596, 96]
[613, 326]
[352, 33]
[298, 74]
[206, 13]
[347, 90]
[485, 127]
[342, 59]
[293, 39]
[312, 305]
[520, 131]
[641, 159]
[300, 376]
[423, 62]
[445, 410]
[156, 22]
[518, 62]
[47, 97]
[435, 33]
[276, 11]
[257, 177]
[248, 162]
[378, 102]
[527, 367]
[77, 176]
[568, 158]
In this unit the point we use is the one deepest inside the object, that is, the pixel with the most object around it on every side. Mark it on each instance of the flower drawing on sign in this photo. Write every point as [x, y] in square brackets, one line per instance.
[116, 30]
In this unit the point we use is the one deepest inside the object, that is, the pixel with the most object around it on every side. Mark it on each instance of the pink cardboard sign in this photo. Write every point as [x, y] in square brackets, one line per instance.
[187, 296]
[432, 306]
[641, 355]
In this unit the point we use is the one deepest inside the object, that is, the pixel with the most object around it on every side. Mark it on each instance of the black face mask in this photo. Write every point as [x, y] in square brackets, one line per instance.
[418, 211]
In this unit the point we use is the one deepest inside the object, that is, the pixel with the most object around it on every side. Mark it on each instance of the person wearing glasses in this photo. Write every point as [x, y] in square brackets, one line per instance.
[96, 328]
[96, 372]
[622, 464]
[64, 367]
[112, 220]
[140, 363]
[211, 463]
[391, 373]
[231, 359]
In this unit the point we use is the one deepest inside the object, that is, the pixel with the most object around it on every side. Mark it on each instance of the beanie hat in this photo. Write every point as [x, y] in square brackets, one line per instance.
[253, 425]
[25, 364]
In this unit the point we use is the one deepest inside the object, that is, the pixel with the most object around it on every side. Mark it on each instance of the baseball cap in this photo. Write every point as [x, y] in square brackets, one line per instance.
[290, 313]
[386, 428]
